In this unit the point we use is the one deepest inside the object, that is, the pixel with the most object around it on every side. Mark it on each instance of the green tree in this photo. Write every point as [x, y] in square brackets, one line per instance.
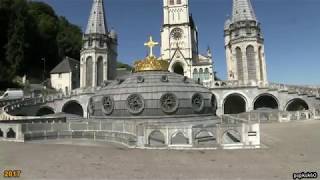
[15, 47]
[30, 31]
[69, 39]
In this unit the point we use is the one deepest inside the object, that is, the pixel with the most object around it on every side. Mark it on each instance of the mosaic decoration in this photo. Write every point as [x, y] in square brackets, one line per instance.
[169, 103]
[135, 104]
[107, 105]
[197, 102]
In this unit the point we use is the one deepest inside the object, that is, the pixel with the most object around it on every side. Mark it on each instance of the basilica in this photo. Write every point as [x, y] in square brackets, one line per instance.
[169, 101]
[179, 46]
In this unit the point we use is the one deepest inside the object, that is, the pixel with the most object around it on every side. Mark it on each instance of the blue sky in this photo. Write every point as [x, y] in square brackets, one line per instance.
[291, 29]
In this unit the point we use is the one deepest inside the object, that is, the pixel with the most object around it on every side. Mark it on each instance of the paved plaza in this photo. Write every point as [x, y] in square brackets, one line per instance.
[288, 147]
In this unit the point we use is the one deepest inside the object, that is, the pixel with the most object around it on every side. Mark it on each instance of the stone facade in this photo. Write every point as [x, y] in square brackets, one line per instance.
[99, 50]
[66, 76]
[244, 45]
[179, 43]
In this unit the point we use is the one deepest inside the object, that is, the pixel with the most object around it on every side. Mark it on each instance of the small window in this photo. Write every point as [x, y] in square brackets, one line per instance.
[101, 43]
[237, 33]
[178, 1]
[171, 2]
[90, 42]
[60, 75]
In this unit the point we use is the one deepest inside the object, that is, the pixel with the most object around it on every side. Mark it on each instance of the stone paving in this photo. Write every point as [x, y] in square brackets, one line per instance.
[288, 148]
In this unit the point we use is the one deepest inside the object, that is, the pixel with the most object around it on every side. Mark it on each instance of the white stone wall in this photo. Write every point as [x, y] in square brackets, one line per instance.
[62, 81]
[231, 59]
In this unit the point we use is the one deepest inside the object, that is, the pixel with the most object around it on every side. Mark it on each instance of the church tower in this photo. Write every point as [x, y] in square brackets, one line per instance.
[99, 50]
[179, 43]
[244, 45]
[179, 37]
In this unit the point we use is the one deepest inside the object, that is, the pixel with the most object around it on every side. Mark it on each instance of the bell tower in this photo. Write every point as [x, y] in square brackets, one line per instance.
[99, 50]
[244, 44]
[179, 37]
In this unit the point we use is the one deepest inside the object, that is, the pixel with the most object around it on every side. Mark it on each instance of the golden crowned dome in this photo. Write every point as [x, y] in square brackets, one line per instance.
[151, 63]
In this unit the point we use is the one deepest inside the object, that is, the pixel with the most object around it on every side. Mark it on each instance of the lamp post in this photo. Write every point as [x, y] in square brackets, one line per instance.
[44, 68]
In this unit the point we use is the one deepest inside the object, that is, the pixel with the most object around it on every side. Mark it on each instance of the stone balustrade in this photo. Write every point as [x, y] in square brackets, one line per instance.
[8, 102]
[232, 84]
[272, 116]
[6, 110]
[301, 90]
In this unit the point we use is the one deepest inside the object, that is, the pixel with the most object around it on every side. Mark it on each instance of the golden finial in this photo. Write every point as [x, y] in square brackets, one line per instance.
[151, 63]
[151, 44]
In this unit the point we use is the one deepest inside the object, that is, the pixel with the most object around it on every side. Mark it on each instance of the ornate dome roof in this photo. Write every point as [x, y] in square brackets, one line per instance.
[152, 93]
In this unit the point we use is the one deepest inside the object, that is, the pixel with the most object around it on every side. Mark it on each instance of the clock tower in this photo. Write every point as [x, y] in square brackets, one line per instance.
[179, 37]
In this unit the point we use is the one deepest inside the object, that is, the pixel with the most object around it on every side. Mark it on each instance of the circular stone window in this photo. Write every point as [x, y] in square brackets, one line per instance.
[107, 105]
[169, 103]
[197, 102]
[135, 104]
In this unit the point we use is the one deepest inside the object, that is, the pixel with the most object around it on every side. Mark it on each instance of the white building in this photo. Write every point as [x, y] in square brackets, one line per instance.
[66, 76]
[244, 45]
[99, 51]
[179, 43]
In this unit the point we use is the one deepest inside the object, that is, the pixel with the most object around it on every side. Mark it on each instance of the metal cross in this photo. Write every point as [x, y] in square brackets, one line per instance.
[151, 44]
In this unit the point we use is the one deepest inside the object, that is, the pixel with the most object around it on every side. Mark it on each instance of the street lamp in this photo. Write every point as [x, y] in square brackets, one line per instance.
[44, 68]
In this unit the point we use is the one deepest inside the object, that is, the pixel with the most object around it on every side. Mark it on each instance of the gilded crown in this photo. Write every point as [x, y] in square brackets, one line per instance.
[151, 63]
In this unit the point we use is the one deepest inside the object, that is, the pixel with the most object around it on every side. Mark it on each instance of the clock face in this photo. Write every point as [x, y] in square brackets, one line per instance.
[176, 33]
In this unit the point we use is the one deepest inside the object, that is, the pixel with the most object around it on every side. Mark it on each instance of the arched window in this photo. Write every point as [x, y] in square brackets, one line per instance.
[89, 71]
[178, 1]
[11, 133]
[90, 42]
[171, 2]
[156, 138]
[206, 74]
[195, 74]
[261, 64]
[252, 71]
[201, 74]
[100, 71]
[239, 64]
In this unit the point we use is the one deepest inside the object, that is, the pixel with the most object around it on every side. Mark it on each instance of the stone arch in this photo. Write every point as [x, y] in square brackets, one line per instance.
[179, 138]
[201, 74]
[11, 133]
[206, 74]
[178, 68]
[266, 101]
[89, 72]
[231, 136]
[1, 133]
[205, 137]
[45, 111]
[195, 74]
[73, 107]
[99, 71]
[260, 53]
[234, 104]
[239, 63]
[156, 138]
[297, 104]
[251, 62]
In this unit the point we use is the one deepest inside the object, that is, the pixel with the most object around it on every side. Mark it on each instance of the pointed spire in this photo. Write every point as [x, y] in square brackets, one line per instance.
[242, 10]
[97, 20]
